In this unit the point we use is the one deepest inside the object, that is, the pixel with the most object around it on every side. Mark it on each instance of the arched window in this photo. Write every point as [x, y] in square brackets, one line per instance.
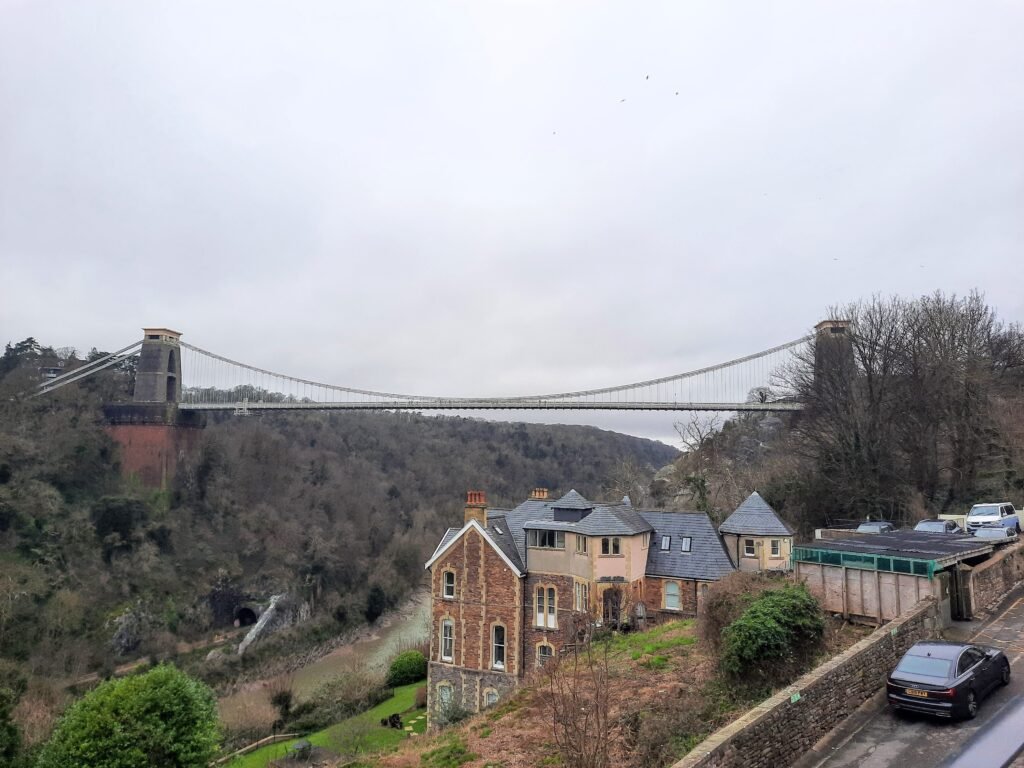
[498, 647]
[544, 653]
[490, 697]
[672, 596]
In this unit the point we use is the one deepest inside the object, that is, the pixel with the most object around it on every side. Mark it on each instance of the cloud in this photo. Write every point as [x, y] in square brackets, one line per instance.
[505, 197]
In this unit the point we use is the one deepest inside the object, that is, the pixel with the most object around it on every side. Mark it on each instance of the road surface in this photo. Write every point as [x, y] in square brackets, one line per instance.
[878, 738]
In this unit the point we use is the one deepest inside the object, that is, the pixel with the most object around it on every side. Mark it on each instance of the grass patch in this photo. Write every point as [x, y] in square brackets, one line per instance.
[655, 662]
[374, 736]
[451, 754]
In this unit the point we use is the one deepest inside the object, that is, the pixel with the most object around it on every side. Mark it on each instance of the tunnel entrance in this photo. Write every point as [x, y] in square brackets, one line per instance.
[245, 617]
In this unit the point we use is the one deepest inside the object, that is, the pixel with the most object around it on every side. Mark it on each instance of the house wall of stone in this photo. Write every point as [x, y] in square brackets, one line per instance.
[690, 597]
[533, 635]
[777, 732]
[487, 592]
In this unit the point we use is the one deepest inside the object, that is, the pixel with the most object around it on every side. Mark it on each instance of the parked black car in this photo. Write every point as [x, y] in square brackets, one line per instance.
[938, 526]
[946, 679]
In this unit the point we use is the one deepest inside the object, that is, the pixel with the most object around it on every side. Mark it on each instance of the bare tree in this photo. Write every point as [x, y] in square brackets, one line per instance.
[578, 700]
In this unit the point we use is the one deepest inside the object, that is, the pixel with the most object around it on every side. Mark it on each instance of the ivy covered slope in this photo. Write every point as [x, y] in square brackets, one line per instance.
[333, 508]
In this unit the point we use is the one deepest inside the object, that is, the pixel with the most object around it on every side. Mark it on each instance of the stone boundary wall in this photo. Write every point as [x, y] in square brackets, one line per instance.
[779, 730]
[997, 576]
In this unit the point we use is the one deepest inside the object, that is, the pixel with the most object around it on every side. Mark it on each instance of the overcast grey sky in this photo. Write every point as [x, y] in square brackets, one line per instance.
[500, 198]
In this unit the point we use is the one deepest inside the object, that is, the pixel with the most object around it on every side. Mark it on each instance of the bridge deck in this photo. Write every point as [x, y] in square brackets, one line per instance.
[491, 405]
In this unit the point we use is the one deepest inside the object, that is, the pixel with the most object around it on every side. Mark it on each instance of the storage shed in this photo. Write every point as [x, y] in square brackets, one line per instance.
[879, 576]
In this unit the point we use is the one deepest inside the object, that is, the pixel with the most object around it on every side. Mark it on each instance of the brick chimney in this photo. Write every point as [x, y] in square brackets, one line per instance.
[540, 494]
[476, 507]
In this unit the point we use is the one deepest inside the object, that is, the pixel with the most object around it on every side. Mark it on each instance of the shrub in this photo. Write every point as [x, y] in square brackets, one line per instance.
[726, 600]
[407, 667]
[337, 698]
[162, 717]
[774, 637]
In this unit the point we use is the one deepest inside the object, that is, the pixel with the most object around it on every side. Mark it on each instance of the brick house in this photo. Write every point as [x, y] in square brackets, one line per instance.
[511, 587]
[756, 538]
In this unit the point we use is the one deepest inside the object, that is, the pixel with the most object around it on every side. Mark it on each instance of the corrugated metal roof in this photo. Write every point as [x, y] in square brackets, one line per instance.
[755, 517]
[707, 558]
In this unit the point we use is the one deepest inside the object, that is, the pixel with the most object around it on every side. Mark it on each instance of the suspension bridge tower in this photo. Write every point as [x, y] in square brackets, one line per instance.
[154, 435]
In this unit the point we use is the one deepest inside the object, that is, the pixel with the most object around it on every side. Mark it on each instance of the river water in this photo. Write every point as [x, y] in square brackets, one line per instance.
[373, 648]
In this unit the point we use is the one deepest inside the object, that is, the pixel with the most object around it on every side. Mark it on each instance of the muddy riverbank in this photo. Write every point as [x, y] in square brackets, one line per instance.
[369, 647]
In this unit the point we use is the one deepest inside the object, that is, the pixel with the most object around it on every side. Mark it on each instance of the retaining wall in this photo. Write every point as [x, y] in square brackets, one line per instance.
[997, 576]
[781, 729]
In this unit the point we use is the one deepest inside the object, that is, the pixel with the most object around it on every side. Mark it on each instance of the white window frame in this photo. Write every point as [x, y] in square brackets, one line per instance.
[447, 640]
[444, 586]
[543, 658]
[581, 544]
[749, 548]
[669, 586]
[546, 607]
[496, 647]
[776, 547]
[686, 544]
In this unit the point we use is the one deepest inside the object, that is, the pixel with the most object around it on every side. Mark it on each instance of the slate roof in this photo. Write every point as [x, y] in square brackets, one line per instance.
[604, 520]
[498, 530]
[707, 558]
[572, 500]
[754, 517]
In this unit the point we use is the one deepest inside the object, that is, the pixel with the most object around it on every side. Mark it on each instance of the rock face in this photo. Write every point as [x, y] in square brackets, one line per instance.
[258, 629]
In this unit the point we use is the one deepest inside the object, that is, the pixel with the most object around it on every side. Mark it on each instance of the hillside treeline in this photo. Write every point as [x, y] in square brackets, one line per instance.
[338, 509]
[918, 410]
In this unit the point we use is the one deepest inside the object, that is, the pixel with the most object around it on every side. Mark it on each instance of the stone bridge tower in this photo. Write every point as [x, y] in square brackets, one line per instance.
[154, 435]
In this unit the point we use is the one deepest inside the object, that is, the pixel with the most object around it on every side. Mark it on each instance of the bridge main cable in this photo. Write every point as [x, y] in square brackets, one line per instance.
[476, 402]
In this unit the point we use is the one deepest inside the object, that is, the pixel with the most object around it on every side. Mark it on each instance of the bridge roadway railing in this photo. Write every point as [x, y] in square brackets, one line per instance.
[488, 404]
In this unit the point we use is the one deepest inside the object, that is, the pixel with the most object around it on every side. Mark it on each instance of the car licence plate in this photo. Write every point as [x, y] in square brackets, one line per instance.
[915, 692]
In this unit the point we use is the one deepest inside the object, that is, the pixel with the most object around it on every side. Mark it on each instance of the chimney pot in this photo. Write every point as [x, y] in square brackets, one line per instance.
[476, 507]
[539, 493]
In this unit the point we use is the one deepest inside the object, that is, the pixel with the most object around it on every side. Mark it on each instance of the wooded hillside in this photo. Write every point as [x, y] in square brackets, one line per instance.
[339, 509]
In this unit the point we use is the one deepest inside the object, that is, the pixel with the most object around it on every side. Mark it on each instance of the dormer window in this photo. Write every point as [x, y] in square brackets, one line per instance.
[449, 585]
[666, 543]
[687, 543]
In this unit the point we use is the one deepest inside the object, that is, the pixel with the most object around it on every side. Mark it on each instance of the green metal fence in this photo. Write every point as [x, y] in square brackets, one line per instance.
[868, 562]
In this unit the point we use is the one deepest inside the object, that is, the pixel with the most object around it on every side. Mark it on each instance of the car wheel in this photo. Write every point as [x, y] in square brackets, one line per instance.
[1005, 679]
[972, 705]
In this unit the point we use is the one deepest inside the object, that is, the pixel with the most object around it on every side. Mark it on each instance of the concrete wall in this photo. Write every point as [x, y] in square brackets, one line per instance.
[779, 731]
[860, 593]
[997, 576]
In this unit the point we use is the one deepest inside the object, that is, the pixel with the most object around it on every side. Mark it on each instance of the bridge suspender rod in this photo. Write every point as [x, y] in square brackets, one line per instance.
[87, 370]
[665, 379]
